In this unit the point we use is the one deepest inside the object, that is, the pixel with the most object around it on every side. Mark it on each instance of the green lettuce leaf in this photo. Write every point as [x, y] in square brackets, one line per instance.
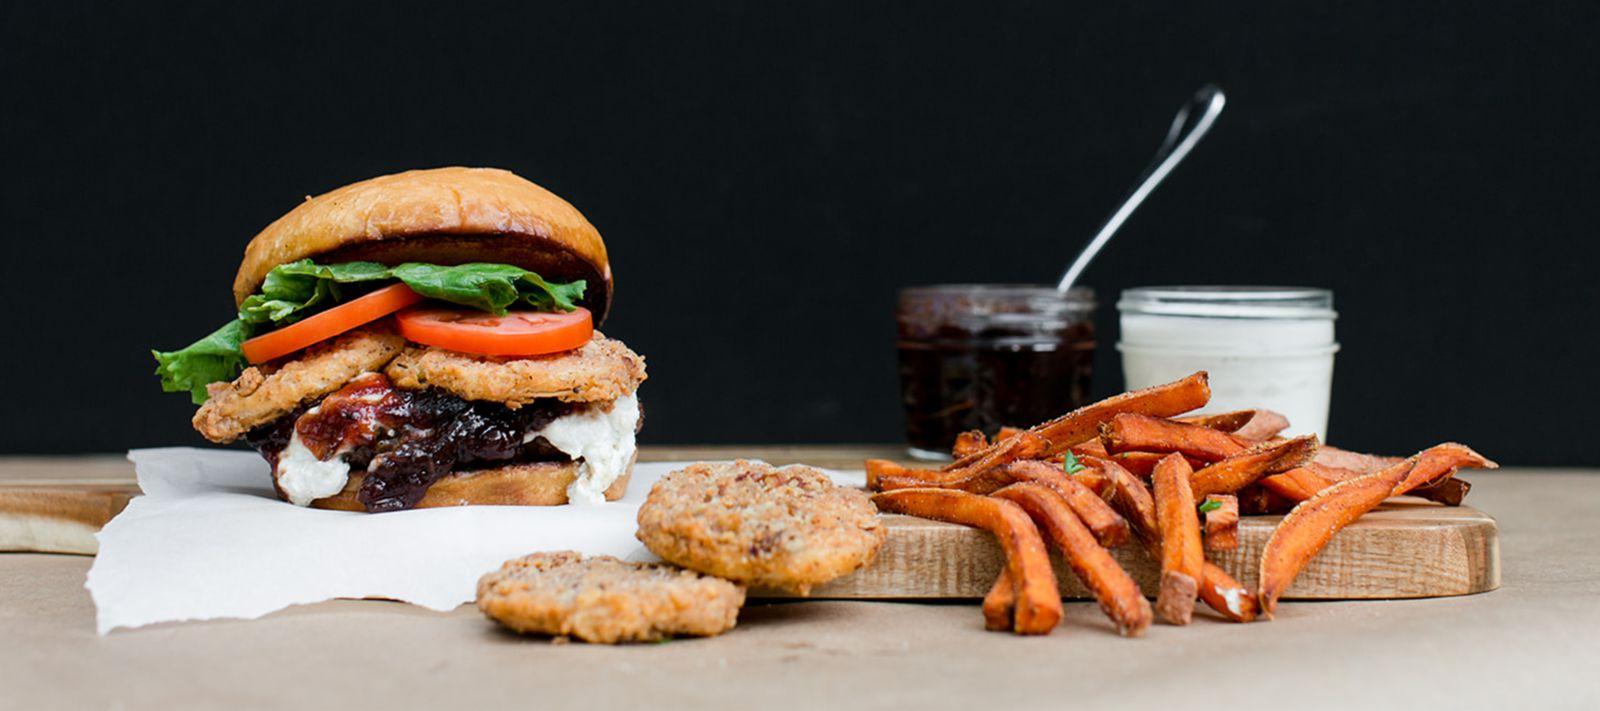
[212, 359]
[296, 290]
[490, 287]
[297, 287]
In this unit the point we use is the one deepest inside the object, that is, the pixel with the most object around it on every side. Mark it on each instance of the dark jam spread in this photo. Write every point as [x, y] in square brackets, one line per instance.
[984, 357]
[405, 440]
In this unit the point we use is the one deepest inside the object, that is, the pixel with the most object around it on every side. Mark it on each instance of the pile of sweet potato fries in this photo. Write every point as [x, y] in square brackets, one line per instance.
[1133, 467]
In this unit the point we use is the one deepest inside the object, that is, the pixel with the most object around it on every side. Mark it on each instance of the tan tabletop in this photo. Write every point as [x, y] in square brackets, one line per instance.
[1535, 643]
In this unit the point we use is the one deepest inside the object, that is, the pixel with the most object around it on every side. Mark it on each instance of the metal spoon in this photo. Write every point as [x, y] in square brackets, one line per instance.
[1208, 102]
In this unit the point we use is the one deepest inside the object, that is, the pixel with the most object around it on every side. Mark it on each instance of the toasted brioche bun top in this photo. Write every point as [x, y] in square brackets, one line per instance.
[441, 216]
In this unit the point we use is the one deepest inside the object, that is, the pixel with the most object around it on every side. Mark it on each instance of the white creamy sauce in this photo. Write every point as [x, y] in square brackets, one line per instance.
[1280, 364]
[1234, 596]
[600, 441]
[304, 478]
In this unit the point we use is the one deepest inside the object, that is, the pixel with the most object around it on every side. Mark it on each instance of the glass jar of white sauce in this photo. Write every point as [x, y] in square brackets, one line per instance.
[1264, 346]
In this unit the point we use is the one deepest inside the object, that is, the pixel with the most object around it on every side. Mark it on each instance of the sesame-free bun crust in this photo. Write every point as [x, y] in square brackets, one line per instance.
[441, 216]
[530, 484]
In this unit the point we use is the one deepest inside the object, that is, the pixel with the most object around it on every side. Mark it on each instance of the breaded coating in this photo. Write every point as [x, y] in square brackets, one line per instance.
[605, 600]
[790, 528]
[267, 392]
[603, 369]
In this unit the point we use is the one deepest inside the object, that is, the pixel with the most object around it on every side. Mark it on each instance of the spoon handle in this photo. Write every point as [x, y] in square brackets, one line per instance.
[1208, 103]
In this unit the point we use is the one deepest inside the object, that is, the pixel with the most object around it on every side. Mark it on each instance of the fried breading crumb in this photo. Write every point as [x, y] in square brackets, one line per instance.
[602, 369]
[605, 600]
[790, 528]
[265, 393]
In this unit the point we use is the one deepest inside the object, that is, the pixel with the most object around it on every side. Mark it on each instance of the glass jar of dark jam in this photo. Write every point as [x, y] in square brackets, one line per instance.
[986, 356]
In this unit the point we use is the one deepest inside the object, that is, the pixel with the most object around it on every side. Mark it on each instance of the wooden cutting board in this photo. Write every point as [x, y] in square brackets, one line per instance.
[1407, 548]
[56, 504]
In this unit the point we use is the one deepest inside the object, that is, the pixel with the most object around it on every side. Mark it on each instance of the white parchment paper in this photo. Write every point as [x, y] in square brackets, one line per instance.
[209, 539]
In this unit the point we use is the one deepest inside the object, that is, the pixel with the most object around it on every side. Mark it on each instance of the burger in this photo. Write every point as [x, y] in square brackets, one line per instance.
[423, 339]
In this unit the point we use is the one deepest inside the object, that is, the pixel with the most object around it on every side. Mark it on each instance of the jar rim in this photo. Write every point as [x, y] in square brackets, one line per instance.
[1217, 301]
[1077, 295]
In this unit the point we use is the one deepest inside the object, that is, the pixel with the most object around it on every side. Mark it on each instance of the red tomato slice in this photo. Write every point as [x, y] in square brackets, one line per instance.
[518, 333]
[330, 323]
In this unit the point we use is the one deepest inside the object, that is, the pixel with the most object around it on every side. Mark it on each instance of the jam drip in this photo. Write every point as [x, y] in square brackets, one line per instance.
[408, 439]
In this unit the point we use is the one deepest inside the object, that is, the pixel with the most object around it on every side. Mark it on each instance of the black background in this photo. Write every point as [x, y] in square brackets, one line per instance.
[768, 174]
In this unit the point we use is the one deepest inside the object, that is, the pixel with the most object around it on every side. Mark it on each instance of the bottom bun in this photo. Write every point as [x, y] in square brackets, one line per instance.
[531, 484]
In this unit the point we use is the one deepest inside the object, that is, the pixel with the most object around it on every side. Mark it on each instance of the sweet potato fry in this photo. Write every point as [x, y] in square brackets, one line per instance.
[1334, 474]
[981, 477]
[1142, 463]
[1175, 600]
[883, 474]
[1093, 479]
[1309, 527]
[981, 482]
[1082, 491]
[1007, 433]
[1083, 424]
[1110, 529]
[1038, 602]
[1091, 448]
[1303, 482]
[1000, 604]
[1118, 595]
[1025, 445]
[1221, 421]
[1264, 426]
[1133, 500]
[1225, 595]
[1245, 467]
[1439, 463]
[1182, 555]
[1449, 492]
[1221, 522]
[969, 442]
[1142, 433]
[1353, 461]
[1299, 483]
[878, 469]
